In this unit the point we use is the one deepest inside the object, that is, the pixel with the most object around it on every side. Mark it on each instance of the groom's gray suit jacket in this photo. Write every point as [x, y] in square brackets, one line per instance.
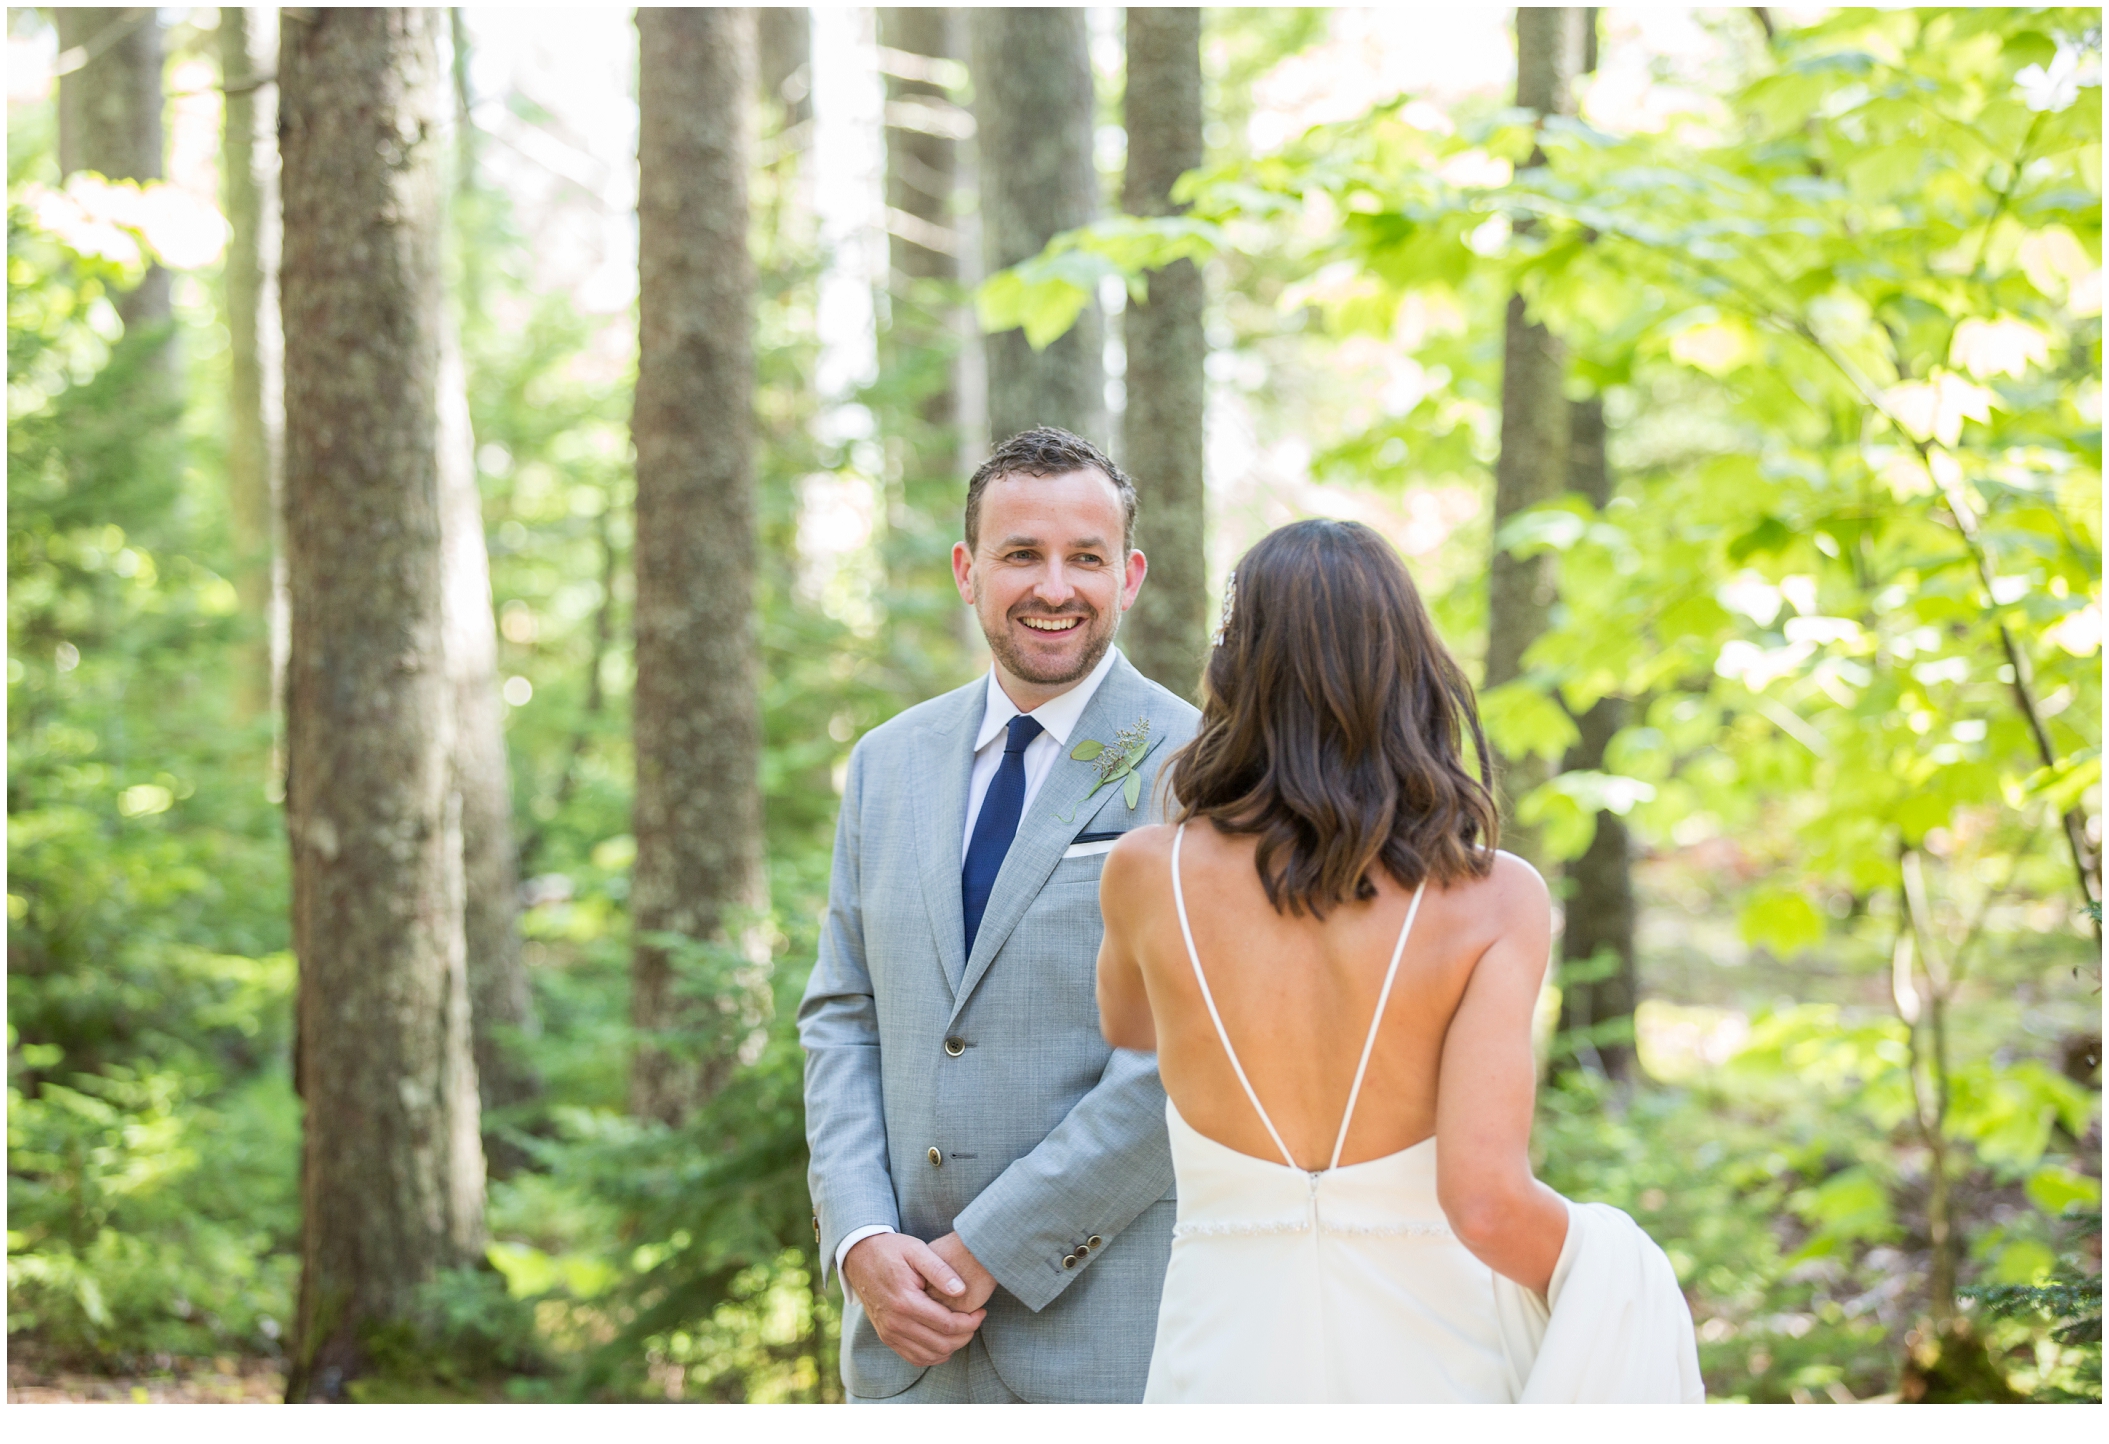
[946, 1091]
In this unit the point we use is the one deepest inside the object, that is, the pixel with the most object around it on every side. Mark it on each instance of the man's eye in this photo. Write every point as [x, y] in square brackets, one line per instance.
[1090, 559]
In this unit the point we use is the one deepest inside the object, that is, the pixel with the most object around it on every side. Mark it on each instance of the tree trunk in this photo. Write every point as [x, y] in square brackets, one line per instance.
[255, 400]
[500, 1001]
[1033, 108]
[1162, 435]
[1600, 906]
[697, 715]
[784, 58]
[919, 346]
[110, 116]
[391, 1172]
[1532, 467]
[921, 173]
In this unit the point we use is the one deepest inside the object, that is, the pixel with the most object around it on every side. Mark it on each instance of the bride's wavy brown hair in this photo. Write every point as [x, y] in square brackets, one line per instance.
[1333, 723]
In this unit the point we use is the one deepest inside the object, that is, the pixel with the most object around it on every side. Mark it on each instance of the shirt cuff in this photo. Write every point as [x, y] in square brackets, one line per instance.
[856, 1236]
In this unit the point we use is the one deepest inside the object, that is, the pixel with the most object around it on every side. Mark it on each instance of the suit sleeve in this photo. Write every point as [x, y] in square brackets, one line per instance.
[1103, 1164]
[849, 1177]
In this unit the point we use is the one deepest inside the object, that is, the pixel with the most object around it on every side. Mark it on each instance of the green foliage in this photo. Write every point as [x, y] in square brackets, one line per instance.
[2063, 1313]
[152, 1138]
[1785, 1188]
[1879, 295]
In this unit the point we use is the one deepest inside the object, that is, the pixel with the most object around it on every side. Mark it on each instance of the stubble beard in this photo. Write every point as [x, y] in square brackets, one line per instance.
[1098, 636]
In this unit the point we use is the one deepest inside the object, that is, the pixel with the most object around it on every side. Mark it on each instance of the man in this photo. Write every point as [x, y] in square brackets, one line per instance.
[991, 1179]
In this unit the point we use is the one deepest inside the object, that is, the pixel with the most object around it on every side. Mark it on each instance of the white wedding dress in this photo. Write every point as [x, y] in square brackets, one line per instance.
[1347, 1285]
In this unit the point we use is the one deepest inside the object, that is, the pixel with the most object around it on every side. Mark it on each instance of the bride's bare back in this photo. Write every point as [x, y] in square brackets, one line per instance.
[1452, 1057]
[1297, 993]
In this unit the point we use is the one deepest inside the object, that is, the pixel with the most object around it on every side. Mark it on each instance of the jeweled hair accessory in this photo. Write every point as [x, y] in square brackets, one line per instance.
[1230, 596]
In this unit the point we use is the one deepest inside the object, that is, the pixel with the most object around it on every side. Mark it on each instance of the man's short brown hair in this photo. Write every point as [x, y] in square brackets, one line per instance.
[1049, 451]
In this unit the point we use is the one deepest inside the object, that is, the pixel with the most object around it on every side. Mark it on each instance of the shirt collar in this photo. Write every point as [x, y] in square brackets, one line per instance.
[1058, 717]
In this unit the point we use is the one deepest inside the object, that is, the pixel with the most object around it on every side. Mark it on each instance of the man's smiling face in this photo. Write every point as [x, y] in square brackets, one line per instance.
[1047, 578]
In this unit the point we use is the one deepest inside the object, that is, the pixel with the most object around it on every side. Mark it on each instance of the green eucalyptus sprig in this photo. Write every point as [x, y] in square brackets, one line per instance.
[1117, 762]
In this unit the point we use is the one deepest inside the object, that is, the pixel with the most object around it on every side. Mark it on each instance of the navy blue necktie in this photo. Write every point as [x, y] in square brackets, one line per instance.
[996, 826]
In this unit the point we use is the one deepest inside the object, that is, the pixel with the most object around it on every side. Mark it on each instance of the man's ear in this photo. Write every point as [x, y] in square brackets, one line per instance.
[963, 571]
[1133, 568]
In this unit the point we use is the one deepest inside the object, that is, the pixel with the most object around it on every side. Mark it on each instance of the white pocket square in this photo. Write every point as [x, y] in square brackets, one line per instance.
[1089, 849]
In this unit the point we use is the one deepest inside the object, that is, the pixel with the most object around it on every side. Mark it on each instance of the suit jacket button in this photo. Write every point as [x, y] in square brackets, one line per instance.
[1068, 1260]
[954, 1047]
[937, 1160]
[1095, 1242]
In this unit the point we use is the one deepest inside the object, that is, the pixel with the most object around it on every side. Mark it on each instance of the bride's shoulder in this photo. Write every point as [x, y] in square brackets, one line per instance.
[1513, 874]
[1141, 845]
[1509, 884]
[1134, 872]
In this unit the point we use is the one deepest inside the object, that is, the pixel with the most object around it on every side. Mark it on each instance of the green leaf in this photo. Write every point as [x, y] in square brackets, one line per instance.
[1045, 306]
[1521, 720]
[1547, 528]
[2056, 1189]
[1769, 535]
[1783, 921]
[1087, 749]
[1133, 790]
[1848, 1205]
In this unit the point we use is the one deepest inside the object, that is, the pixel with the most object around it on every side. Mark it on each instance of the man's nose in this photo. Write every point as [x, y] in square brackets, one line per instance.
[1054, 587]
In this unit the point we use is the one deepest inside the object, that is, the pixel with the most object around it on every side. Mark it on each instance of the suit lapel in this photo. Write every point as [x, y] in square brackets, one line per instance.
[1045, 830]
[941, 822]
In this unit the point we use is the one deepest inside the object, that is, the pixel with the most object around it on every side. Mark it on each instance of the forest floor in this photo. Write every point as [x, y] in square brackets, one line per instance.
[224, 1380]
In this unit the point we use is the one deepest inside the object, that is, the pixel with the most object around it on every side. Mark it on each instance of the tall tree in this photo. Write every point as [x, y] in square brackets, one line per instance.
[1033, 113]
[1532, 466]
[255, 400]
[391, 1170]
[922, 245]
[1598, 983]
[919, 344]
[110, 100]
[1162, 434]
[697, 713]
[500, 1001]
[784, 60]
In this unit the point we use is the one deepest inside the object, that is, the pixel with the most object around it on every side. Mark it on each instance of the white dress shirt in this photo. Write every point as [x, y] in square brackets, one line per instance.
[1057, 718]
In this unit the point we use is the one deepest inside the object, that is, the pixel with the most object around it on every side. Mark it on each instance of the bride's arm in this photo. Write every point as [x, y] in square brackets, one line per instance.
[1512, 1223]
[1123, 1004]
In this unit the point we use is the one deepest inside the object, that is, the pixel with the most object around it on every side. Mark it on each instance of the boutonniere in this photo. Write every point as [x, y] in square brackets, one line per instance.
[1117, 761]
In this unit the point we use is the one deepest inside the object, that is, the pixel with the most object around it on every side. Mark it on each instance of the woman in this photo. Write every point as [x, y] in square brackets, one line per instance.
[1337, 971]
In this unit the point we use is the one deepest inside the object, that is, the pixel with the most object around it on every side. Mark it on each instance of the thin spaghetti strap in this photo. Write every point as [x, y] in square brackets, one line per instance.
[1390, 975]
[1185, 928]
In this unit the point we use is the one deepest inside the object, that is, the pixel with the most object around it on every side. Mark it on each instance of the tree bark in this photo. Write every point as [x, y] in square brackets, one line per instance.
[1532, 466]
[1161, 430]
[500, 1001]
[1033, 113]
[110, 116]
[921, 173]
[697, 717]
[919, 346]
[391, 1172]
[255, 399]
[1600, 907]
[784, 58]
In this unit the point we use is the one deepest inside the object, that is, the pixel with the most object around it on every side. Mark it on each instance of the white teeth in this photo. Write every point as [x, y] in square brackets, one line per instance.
[1051, 624]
